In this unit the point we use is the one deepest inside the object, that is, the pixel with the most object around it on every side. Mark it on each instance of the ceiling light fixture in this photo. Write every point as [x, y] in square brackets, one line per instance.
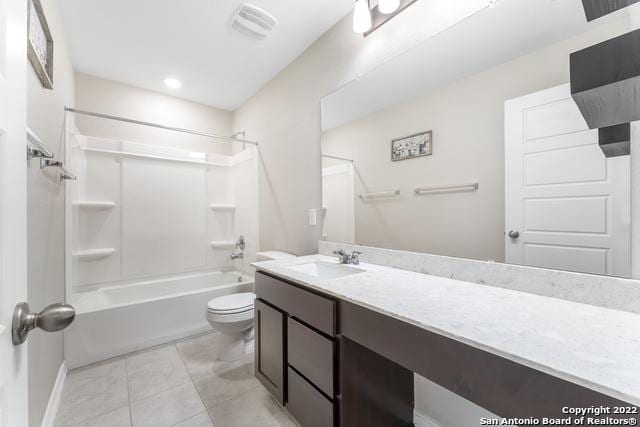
[172, 83]
[366, 20]
[361, 17]
[388, 6]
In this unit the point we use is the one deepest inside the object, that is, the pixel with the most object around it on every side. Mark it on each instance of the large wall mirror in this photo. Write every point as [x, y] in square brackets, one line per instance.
[470, 145]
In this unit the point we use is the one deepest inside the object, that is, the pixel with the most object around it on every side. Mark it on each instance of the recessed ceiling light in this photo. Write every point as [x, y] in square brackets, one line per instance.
[172, 83]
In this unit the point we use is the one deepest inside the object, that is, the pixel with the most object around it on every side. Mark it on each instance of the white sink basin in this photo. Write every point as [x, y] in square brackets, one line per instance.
[326, 270]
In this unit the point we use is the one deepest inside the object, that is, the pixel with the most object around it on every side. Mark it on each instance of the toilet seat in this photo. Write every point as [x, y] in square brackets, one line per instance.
[231, 304]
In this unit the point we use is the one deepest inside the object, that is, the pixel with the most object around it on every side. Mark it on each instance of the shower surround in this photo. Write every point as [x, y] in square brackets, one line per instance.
[150, 230]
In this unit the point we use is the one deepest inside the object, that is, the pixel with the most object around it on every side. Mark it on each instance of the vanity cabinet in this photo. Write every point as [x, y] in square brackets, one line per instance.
[333, 362]
[296, 347]
[269, 348]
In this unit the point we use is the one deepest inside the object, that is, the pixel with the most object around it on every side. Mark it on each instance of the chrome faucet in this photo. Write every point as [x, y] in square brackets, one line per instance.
[345, 258]
[240, 244]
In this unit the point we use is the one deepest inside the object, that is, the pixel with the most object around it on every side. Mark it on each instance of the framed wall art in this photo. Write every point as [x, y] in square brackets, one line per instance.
[412, 146]
[40, 44]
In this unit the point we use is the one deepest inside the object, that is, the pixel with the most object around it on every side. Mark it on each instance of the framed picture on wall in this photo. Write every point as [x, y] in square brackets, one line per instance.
[412, 146]
[40, 44]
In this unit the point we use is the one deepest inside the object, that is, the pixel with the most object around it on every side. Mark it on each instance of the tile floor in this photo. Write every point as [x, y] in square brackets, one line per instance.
[179, 384]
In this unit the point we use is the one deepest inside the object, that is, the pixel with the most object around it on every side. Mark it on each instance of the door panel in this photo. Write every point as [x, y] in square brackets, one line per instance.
[570, 214]
[269, 349]
[560, 166]
[586, 260]
[13, 207]
[555, 118]
[569, 203]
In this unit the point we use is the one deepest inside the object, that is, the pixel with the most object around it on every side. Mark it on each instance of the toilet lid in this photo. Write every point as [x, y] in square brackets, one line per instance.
[234, 303]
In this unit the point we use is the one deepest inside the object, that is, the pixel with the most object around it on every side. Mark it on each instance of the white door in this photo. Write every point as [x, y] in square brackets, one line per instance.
[13, 214]
[569, 204]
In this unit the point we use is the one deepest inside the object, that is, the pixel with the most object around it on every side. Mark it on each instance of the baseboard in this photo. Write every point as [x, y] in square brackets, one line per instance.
[54, 399]
[421, 420]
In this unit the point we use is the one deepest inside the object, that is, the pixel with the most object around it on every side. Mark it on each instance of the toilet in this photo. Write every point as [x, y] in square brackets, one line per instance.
[232, 316]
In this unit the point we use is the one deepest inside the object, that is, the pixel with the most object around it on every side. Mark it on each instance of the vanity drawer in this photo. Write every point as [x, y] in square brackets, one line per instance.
[311, 354]
[307, 405]
[311, 308]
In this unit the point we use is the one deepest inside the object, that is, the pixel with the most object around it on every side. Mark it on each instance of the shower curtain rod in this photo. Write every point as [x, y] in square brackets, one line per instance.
[156, 125]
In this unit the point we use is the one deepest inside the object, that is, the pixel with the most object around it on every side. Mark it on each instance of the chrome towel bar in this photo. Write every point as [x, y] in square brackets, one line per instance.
[40, 151]
[64, 172]
[380, 195]
[434, 189]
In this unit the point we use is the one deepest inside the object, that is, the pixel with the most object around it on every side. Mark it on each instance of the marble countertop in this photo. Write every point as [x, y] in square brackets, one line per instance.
[595, 347]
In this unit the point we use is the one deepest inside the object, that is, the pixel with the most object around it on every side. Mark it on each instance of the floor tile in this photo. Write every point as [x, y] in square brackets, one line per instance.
[225, 385]
[200, 420]
[207, 343]
[118, 418]
[168, 407]
[256, 408]
[200, 356]
[155, 371]
[93, 391]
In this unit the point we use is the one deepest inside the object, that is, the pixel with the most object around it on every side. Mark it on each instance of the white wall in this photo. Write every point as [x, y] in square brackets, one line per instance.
[109, 97]
[284, 116]
[46, 215]
[467, 120]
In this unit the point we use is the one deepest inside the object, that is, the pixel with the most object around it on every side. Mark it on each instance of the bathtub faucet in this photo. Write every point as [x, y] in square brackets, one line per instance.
[238, 253]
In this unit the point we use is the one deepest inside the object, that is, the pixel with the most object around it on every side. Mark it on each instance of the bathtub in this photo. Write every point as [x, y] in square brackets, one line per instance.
[120, 319]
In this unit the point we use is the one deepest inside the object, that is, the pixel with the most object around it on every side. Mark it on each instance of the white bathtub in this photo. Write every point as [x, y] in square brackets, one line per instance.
[120, 319]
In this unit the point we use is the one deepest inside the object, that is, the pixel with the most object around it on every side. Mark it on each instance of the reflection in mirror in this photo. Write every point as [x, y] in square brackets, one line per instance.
[510, 172]
[338, 199]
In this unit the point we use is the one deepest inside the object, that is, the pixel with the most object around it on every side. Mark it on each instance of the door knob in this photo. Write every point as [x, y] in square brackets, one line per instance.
[54, 317]
[514, 234]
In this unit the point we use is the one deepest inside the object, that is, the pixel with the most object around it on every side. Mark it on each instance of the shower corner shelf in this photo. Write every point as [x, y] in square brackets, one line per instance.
[93, 254]
[222, 207]
[94, 205]
[223, 244]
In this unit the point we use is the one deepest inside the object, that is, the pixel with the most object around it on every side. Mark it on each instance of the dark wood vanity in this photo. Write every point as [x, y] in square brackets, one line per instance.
[330, 362]
[296, 350]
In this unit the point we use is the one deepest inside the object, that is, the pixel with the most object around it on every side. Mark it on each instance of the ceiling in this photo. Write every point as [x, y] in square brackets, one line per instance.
[488, 38]
[141, 42]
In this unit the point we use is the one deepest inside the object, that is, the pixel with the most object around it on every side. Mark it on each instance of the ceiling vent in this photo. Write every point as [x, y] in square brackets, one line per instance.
[253, 22]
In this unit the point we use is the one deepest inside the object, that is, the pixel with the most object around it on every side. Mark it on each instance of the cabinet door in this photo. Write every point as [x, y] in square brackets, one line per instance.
[270, 351]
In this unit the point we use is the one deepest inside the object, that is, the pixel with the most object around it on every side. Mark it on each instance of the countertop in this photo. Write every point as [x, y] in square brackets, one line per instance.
[595, 347]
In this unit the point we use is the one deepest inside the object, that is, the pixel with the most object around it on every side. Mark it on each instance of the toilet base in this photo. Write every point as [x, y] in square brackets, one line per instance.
[234, 346]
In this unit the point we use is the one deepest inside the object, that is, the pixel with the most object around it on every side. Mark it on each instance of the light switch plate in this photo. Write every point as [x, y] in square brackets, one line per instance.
[313, 217]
